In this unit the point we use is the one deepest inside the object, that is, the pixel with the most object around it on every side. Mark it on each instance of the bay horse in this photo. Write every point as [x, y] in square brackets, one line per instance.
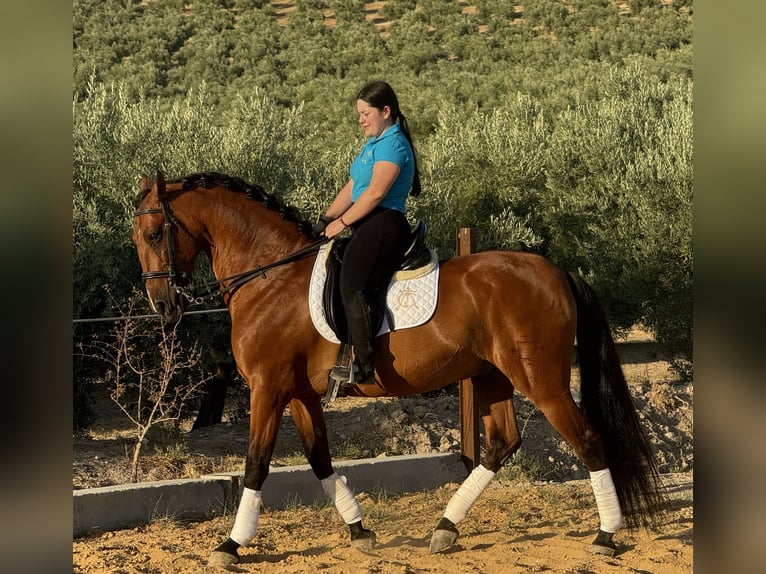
[505, 320]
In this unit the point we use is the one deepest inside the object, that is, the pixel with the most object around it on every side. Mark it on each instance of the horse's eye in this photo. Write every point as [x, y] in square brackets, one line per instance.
[154, 236]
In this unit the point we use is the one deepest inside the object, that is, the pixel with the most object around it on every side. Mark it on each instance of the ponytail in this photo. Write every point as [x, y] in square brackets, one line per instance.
[415, 191]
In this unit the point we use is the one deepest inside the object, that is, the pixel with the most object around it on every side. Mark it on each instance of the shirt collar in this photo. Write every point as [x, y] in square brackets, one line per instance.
[391, 130]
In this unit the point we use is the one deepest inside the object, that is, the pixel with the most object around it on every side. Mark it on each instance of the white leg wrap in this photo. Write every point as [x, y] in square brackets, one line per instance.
[609, 511]
[467, 494]
[246, 523]
[335, 487]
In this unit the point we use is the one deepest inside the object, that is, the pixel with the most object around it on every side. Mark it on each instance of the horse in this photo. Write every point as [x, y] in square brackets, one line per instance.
[509, 321]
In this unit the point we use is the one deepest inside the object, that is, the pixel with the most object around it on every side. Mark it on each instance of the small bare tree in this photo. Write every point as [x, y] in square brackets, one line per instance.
[152, 375]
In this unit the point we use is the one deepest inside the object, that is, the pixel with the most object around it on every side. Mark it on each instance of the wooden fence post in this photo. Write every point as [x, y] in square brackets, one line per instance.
[470, 452]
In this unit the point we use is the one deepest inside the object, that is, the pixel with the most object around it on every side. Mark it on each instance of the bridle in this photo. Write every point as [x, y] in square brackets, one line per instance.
[227, 285]
[171, 273]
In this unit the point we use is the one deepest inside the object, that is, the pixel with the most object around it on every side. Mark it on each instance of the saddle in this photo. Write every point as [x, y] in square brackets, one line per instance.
[417, 255]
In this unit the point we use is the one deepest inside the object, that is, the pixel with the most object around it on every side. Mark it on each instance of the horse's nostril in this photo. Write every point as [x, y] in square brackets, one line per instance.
[160, 307]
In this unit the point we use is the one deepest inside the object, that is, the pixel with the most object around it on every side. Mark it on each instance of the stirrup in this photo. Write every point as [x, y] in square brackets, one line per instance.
[342, 371]
[353, 375]
[336, 378]
[344, 374]
[332, 391]
[348, 375]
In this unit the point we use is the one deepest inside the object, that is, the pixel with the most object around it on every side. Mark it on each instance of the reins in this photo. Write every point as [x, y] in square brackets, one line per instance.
[241, 278]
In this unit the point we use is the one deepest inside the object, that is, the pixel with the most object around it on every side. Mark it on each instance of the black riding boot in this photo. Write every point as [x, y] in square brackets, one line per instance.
[361, 331]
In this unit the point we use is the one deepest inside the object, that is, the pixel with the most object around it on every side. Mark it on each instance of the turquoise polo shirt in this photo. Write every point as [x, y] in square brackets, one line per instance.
[391, 145]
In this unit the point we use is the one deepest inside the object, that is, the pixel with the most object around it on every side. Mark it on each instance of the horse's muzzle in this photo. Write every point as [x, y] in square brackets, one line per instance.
[169, 306]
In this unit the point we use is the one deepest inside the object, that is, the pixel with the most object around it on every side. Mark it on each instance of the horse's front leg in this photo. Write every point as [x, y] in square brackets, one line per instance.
[266, 409]
[309, 420]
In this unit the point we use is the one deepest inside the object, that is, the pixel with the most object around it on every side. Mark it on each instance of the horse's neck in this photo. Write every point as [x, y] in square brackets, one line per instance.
[245, 239]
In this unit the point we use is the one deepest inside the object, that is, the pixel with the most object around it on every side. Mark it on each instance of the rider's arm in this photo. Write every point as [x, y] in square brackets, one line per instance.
[384, 173]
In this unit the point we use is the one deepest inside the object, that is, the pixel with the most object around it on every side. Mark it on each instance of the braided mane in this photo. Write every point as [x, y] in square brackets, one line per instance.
[254, 192]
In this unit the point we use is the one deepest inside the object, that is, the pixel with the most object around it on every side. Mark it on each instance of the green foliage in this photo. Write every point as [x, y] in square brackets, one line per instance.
[484, 170]
[127, 41]
[618, 201]
[565, 131]
[395, 9]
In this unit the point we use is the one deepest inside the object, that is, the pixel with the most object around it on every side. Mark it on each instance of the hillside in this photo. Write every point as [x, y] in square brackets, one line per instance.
[376, 14]
[375, 11]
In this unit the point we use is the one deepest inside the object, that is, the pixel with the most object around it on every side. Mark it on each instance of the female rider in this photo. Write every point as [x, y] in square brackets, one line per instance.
[372, 205]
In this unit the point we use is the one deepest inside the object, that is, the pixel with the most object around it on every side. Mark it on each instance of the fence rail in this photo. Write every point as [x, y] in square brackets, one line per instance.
[153, 316]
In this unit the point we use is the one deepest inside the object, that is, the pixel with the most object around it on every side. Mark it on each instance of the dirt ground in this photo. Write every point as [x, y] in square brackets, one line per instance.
[514, 527]
[538, 515]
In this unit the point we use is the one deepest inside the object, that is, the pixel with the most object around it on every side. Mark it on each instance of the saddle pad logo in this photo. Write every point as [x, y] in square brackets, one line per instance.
[408, 299]
[411, 297]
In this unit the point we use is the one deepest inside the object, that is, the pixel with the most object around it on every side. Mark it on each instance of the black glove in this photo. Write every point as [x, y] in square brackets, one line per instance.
[321, 225]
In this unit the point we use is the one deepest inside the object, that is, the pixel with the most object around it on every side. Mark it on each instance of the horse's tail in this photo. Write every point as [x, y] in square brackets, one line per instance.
[608, 406]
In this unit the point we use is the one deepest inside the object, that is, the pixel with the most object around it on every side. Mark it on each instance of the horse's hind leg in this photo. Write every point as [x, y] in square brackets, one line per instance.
[569, 420]
[493, 393]
[309, 420]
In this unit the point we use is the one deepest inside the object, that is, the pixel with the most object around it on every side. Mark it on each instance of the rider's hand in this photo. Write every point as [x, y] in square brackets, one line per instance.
[321, 225]
[335, 228]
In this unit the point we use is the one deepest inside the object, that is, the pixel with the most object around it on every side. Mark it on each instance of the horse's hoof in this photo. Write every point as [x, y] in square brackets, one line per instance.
[364, 540]
[441, 540]
[361, 537]
[222, 559]
[603, 544]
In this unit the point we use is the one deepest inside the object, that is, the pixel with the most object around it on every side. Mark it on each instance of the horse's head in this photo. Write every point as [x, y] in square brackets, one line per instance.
[166, 249]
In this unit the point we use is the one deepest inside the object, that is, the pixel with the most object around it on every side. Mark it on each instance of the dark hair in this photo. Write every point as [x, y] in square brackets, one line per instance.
[379, 95]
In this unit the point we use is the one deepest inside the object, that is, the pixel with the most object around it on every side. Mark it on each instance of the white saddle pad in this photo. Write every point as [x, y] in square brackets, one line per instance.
[411, 297]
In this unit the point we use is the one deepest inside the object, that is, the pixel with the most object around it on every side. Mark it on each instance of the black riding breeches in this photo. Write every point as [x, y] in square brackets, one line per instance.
[374, 252]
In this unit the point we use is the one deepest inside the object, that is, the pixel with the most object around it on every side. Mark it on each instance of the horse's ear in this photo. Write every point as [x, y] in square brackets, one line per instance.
[160, 183]
[146, 184]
